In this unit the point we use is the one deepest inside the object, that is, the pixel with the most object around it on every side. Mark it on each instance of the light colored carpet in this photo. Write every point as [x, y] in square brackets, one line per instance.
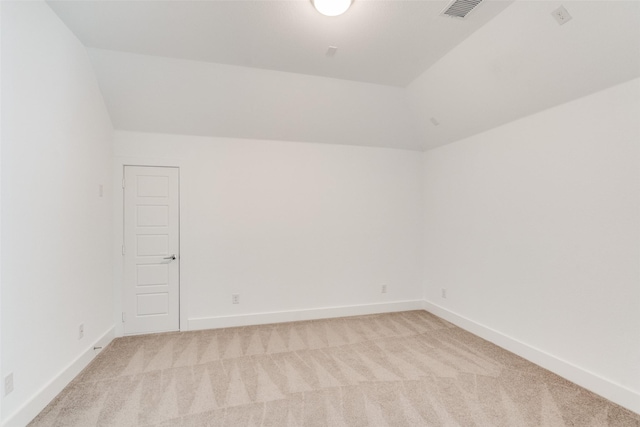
[399, 369]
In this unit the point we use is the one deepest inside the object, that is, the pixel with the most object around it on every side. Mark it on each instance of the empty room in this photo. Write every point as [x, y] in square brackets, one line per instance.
[320, 213]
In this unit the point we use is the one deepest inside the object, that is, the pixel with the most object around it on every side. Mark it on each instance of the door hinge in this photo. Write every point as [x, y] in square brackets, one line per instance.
[122, 182]
[123, 250]
[124, 317]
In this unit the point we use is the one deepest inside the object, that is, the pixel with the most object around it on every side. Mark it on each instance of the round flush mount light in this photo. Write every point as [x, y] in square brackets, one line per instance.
[331, 7]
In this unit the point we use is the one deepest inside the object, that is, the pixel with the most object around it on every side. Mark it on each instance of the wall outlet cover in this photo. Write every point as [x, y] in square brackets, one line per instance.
[8, 384]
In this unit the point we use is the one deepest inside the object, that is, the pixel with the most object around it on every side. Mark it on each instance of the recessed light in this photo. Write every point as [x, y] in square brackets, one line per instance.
[331, 7]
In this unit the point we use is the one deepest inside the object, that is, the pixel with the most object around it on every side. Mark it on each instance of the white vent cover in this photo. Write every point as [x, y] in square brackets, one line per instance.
[460, 8]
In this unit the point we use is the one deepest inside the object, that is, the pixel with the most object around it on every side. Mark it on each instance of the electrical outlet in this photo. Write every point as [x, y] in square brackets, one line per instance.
[384, 289]
[443, 293]
[235, 299]
[8, 384]
[81, 331]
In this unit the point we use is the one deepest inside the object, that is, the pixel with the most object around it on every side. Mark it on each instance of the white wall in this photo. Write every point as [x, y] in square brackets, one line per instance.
[166, 95]
[1, 134]
[290, 226]
[56, 230]
[534, 230]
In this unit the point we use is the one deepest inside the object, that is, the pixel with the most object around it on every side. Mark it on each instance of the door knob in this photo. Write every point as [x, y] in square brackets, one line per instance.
[172, 257]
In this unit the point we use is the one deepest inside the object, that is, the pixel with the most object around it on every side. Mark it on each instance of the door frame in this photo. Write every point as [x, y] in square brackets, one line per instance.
[118, 241]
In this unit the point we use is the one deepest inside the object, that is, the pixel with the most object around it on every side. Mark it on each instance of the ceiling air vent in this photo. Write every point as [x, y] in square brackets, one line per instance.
[460, 8]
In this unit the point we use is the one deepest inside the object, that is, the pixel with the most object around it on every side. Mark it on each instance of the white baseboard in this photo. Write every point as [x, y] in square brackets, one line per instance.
[30, 409]
[295, 315]
[616, 393]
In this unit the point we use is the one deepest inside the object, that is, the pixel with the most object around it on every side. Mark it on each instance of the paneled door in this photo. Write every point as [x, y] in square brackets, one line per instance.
[151, 250]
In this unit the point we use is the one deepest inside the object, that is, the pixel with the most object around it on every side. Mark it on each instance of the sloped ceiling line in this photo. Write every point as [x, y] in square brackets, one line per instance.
[260, 70]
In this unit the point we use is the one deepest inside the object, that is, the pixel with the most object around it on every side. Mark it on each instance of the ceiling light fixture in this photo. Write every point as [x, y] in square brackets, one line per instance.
[331, 7]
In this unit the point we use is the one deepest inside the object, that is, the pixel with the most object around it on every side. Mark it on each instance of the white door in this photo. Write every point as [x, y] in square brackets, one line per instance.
[151, 250]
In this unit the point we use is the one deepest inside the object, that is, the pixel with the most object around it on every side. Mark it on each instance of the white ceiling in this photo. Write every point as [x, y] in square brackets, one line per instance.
[166, 95]
[257, 69]
[523, 62]
[387, 42]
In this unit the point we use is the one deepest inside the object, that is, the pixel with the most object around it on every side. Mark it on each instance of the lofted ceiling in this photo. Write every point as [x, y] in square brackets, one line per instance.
[403, 76]
[387, 42]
